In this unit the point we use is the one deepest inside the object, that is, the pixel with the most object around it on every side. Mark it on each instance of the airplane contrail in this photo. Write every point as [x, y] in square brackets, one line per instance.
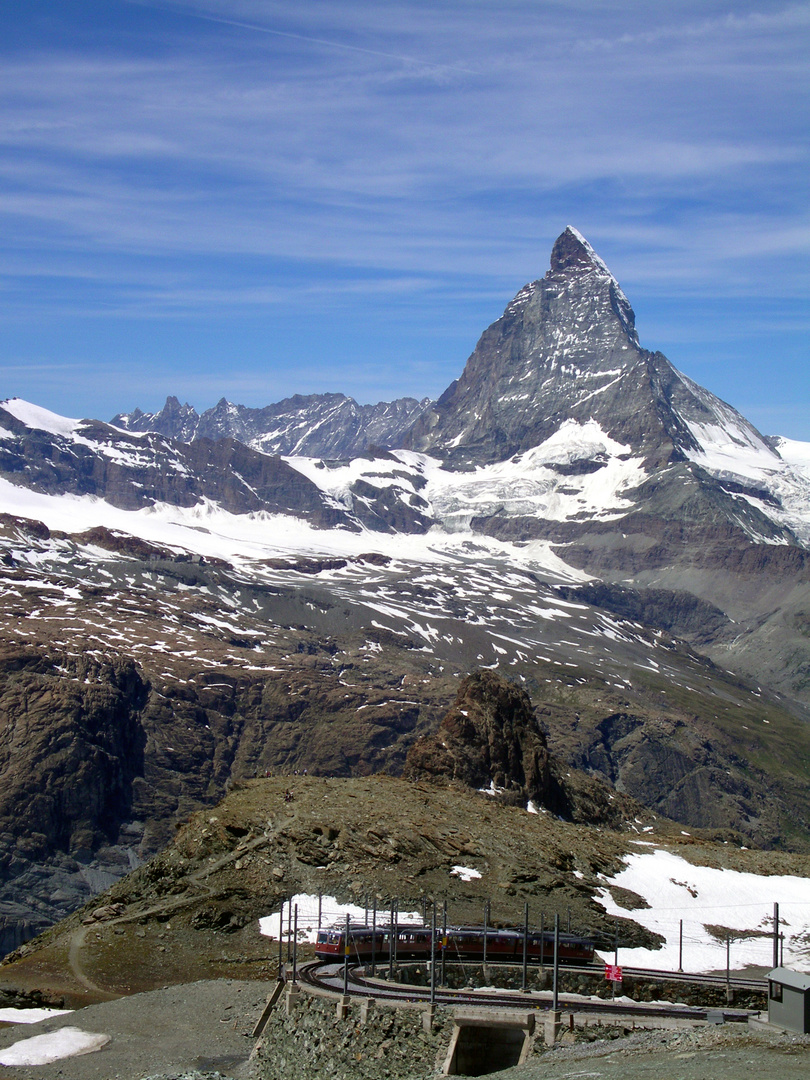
[306, 37]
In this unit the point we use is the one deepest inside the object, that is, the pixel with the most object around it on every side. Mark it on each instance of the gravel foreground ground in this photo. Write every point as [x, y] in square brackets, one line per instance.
[201, 1027]
[202, 1031]
[725, 1052]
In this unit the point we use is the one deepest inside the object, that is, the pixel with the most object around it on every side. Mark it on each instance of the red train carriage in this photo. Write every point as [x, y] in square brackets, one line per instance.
[463, 943]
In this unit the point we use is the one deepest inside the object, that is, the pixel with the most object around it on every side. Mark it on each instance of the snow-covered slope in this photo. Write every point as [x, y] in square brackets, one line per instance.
[578, 471]
[47, 454]
[709, 901]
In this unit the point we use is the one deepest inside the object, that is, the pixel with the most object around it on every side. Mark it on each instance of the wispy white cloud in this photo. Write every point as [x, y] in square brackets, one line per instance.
[747, 25]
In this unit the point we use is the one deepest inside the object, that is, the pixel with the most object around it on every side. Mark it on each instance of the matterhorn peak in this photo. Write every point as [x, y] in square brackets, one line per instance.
[566, 350]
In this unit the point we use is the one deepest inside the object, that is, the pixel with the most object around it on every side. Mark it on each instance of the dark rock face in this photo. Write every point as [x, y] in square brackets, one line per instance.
[317, 425]
[71, 747]
[672, 768]
[679, 613]
[71, 752]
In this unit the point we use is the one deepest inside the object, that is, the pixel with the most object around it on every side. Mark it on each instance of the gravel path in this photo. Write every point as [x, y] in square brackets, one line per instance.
[201, 1027]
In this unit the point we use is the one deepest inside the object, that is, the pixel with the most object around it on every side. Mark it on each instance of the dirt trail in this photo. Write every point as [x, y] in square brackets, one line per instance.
[75, 961]
[198, 879]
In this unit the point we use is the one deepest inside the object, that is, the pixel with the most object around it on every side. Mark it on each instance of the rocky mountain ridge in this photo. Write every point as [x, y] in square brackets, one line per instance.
[315, 425]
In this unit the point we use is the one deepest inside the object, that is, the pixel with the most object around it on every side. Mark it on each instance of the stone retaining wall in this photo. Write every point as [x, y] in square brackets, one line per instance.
[306, 1039]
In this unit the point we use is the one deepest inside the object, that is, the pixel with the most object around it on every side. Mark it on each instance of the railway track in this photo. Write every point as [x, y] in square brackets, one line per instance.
[329, 977]
[719, 981]
[735, 982]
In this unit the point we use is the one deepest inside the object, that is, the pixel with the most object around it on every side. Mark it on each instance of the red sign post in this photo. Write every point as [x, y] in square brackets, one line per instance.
[613, 973]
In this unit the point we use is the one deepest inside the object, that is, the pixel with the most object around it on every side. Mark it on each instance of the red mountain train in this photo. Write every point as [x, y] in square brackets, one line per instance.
[463, 943]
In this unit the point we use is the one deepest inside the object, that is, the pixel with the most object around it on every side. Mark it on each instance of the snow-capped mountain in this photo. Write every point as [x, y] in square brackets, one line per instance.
[254, 589]
[566, 348]
[318, 425]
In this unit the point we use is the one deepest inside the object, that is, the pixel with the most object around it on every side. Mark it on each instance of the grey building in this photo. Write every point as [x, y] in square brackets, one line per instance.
[789, 999]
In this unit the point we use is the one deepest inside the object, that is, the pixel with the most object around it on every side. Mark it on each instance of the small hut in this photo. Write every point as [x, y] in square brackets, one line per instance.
[789, 999]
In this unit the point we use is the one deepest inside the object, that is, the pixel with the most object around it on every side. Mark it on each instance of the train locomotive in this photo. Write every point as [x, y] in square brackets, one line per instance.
[460, 943]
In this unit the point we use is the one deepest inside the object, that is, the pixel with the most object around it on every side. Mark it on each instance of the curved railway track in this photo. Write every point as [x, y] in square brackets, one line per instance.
[329, 977]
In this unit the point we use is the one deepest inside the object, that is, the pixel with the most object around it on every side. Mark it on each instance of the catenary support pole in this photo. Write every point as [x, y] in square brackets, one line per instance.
[391, 945]
[776, 935]
[433, 954]
[289, 931]
[555, 1003]
[346, 948]
[281, 943]
[396, 930]
[486, 930]
[680, 947]
[295, 947]
[543, 941]
[374, 938]
[524, 982]
[444, 943]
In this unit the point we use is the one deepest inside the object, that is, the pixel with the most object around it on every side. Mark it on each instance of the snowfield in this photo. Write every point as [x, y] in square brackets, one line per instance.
[332, 913]
[711, 901]
[529, 484]
[29, 1016]
[526, 484]
[43, 1049]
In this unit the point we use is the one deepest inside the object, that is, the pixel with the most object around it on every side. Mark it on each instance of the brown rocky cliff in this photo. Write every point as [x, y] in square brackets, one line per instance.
[490, 739]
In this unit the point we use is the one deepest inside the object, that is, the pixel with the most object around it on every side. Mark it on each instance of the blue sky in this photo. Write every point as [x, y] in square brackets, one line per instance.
[253, 198]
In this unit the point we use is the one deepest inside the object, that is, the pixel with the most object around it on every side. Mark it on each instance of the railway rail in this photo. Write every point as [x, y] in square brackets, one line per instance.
[716, 981]
[328, 977]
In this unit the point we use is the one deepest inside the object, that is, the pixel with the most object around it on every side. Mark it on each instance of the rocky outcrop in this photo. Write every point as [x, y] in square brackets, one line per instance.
[490, 740]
